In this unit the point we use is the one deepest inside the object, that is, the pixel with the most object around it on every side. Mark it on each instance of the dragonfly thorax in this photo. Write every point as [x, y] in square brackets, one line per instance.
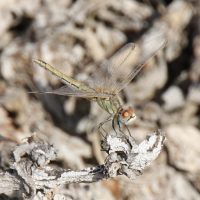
[111, 105]
[127, 116]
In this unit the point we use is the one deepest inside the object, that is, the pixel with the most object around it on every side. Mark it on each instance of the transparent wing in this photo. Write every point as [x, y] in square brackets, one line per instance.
[72, 88]
[70, 91]
[99, 78]
[123, 66]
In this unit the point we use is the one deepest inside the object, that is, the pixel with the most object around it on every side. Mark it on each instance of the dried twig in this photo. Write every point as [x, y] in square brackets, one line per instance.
[32, 173]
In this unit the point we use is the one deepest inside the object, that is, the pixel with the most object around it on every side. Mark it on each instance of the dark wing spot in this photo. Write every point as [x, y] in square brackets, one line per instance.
[119, 80]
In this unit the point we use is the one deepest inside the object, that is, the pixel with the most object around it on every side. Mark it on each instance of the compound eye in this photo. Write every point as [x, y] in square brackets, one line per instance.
[126, 114]
[131, 109]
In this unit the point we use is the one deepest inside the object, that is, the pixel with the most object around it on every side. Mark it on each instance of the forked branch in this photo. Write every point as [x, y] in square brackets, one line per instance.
[32, 173]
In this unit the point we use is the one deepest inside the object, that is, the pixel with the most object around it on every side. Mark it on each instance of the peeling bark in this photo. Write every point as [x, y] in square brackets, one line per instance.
[32, 173]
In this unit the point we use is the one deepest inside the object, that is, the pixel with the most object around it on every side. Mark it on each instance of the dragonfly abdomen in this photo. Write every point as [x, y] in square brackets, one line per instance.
[63, 78]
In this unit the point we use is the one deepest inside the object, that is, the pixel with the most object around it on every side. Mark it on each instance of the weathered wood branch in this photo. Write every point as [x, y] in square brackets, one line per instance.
[31, 172]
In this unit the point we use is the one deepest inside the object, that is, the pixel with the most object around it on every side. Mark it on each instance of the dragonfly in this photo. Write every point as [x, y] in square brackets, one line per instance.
[112, 76]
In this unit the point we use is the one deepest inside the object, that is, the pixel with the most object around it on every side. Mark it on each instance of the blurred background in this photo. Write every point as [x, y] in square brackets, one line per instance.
[75, 36]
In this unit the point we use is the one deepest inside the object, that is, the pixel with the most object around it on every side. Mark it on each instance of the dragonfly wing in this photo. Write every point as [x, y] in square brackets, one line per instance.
[72, 88]
[99, 78]
[132, 63]
[124, 65]
[70, 91]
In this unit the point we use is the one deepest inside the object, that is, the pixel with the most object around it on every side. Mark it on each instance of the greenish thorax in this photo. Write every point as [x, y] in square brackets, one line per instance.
[111, 105]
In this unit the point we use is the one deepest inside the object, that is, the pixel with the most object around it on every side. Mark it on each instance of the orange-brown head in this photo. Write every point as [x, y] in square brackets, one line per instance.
[127, 116]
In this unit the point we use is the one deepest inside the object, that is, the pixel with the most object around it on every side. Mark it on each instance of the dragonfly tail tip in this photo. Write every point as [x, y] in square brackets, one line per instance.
[34, 59]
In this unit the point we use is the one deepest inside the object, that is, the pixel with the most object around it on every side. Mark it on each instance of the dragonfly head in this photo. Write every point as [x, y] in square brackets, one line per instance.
[127, 116]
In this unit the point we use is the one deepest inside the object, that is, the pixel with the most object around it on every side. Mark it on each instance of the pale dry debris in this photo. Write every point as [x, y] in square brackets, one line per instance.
[132, 16]
[11, 15]
[160, 182]
[4, 120]
[86, 191]
[173, 98]
[194, 94]
[195, 70]
[183, 157]
[15, 101]
[176, 19]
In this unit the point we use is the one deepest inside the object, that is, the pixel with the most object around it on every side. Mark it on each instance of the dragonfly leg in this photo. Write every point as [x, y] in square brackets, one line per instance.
[113, 125]
[128, 130]
[120, 129]
[101, 126]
